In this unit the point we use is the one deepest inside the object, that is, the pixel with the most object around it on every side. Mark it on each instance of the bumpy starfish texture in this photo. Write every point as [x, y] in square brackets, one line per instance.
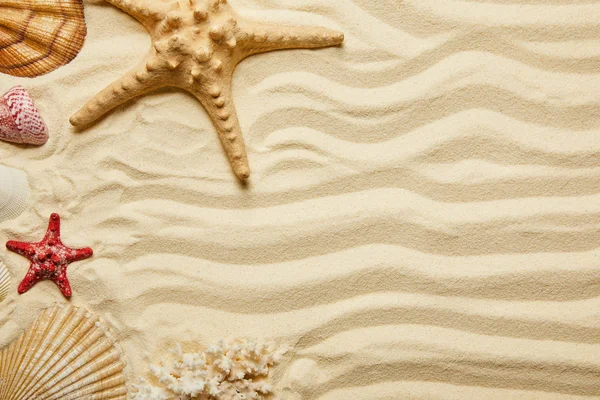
[49, 258]
[196, 46]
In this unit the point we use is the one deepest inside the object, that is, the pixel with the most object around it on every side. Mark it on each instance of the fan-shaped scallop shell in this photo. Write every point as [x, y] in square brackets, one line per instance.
[67, 354]
[38, 36]
[14, 193]
[4, 281]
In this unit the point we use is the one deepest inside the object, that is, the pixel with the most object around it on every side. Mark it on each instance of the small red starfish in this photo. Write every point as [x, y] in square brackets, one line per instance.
[49, 258]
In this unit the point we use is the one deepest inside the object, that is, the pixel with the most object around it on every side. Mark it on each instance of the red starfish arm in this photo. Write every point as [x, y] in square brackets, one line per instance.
[25, 249]
[80, 254]
[63, 284]
[29, 280]
[53, 226]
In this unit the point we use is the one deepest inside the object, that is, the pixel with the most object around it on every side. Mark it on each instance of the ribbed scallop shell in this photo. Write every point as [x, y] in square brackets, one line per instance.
[67, 354]
[4, 281]
[14, 193]
[38, 36]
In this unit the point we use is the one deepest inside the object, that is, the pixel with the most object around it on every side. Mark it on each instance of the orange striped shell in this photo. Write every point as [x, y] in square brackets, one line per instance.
[39, 36]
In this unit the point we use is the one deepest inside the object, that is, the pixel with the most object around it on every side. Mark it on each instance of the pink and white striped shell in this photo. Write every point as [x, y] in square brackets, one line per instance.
[20, 121]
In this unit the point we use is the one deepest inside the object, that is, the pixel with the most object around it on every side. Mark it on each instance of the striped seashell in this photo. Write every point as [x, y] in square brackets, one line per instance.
[67, 354]
[20, 121]
[14, 193]
[4, 281]
[38, 36]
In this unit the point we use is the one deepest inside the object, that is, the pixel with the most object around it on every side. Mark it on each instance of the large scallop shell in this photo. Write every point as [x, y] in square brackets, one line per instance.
[38, 36]
[14, 193]
[67, 354]
[4, 281]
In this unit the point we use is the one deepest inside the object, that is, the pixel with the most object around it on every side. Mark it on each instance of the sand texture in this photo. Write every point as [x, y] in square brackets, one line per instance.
[422, 220]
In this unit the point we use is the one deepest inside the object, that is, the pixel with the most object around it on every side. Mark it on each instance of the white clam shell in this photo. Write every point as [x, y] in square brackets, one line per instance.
[4, 281]
[14, 193]
[66, 354]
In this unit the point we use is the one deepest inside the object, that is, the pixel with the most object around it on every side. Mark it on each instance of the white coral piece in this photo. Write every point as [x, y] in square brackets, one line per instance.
[149, 392]
[233, 370]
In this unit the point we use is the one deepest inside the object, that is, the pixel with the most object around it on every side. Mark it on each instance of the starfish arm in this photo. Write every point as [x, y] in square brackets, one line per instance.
[135, 83]
[80, 254]
[218, 103]
[23, 248]
[62, 282]
[53, 230]
[29, 281]
[261, 37]
[142, 10]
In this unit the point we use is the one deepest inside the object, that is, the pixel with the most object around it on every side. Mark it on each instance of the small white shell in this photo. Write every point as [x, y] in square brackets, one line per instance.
[14, 193]
[4, 281]
[67, 354]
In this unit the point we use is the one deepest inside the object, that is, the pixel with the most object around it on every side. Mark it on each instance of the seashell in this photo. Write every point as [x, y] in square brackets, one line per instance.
[4, 281]
[20, 121]
[38, 36]
[14, 193]
[67, 354]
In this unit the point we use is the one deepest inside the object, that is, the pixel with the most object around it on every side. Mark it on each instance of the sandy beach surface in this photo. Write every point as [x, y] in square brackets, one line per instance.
[422, 222]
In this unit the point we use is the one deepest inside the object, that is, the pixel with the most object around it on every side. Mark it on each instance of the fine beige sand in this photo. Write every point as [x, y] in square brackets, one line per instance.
[422, 222]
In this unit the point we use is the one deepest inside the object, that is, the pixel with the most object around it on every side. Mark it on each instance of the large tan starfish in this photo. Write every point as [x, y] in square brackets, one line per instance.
[196, 46]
